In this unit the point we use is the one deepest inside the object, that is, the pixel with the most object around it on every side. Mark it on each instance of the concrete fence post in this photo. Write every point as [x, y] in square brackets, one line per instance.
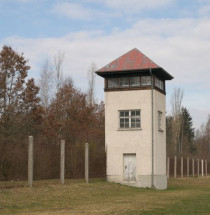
[168, 167]
[206, 167]
[86, 162]
[202, 167]
[181, 167]
[198, 170]
[62, 162]
[188, 167]
[30, 161]
[193, 167]
[174, 166]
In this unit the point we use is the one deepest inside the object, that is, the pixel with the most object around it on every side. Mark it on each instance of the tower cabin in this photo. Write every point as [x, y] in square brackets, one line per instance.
[135, 125]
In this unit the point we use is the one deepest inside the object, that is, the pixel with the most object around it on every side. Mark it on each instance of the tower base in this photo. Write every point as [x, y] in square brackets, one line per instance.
[142, 181]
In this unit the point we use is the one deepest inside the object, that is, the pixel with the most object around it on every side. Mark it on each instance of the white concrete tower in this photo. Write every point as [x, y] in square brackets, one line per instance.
[135, 125]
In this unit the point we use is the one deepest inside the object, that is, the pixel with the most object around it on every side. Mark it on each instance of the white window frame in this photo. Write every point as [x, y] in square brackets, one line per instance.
[129, 118]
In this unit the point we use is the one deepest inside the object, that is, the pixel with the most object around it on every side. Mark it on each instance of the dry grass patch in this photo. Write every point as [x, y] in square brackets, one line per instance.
[98, 197]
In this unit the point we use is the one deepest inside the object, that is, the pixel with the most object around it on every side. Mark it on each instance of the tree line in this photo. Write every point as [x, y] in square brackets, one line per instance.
[50, 111]
[181, 137]
[55, 109]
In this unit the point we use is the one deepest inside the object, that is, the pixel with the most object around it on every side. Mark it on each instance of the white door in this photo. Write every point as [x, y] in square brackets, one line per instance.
[129, 167]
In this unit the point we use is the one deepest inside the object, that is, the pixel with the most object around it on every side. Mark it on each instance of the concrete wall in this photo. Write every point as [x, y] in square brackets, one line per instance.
[139, 141]
[160, 142]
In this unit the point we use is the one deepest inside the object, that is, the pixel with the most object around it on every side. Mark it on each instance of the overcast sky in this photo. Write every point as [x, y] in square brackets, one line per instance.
[175, 34]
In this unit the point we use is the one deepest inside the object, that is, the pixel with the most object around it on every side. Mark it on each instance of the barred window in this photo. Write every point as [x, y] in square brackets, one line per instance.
[130, 119]
[131, 81]
[112, 82]
[146, 80]
[124, 81]
[134, 81]
[159, 84]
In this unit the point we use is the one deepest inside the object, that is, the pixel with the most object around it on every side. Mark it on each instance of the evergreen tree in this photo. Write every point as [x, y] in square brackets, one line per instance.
[187, 134]
[186, 142]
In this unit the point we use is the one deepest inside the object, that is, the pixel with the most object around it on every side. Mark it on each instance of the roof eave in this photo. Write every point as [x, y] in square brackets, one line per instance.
[162, 72]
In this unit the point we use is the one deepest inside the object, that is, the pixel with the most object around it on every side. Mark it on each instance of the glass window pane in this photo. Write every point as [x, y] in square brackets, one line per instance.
[137, 119]
[124, 82]
[126, 125]
[112, 82]
[159, 83]
[137, 113]
[146, 80]
[133, 113]
[130, 119]
[133, 125]
[134, 81]
[133, 120]
[137, 125]
[126, 113]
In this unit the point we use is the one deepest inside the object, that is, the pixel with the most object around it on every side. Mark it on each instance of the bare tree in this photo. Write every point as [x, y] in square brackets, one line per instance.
[58, 63]
[91, 83]
[206, 138]
[176, 123]
[46, 84]
[208, 134]
[68, 81]
[200, 139]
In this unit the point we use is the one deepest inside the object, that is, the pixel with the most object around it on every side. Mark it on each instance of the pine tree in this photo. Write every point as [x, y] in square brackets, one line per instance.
[187, 134]
[186, 143]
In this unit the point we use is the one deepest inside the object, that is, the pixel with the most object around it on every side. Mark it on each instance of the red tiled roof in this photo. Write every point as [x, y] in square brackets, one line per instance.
[132, 60]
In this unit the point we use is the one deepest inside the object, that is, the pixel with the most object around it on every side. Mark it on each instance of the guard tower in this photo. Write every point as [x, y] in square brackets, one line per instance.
[135, 127]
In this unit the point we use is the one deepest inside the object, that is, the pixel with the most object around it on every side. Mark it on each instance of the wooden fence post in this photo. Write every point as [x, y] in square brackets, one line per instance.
[202, 167]
[193, 167]
[86, 162]
[62, 162]
[30, 161]
[174, 166]
[181, 167]
[198, 167]
[168, 167]
[188, 167]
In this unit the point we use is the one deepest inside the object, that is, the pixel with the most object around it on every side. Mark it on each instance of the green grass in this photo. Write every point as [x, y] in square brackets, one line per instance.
[183, 196]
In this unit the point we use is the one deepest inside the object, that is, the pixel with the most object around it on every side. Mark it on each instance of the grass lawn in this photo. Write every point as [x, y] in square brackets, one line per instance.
[184, 196]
